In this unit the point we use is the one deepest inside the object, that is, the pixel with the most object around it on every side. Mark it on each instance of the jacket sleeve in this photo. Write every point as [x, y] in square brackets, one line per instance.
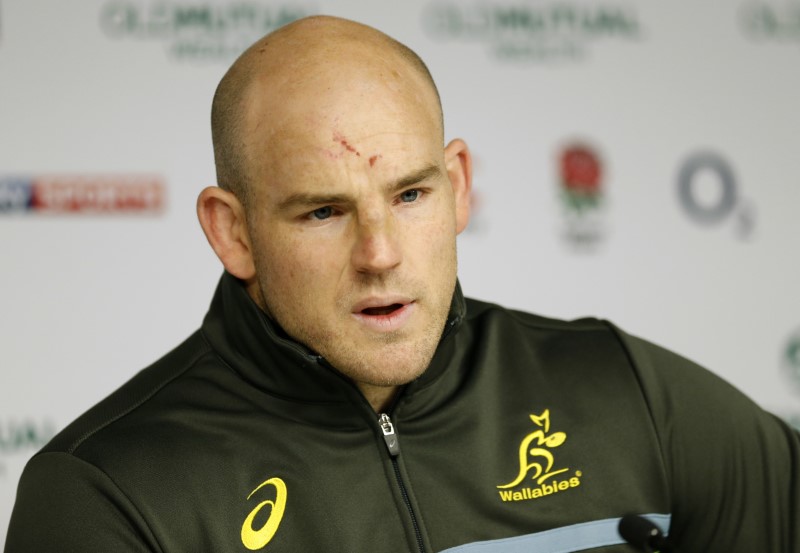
[66, 505]
[734, 469]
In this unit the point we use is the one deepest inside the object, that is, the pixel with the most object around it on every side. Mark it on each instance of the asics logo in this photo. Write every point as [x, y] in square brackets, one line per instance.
[257, 538]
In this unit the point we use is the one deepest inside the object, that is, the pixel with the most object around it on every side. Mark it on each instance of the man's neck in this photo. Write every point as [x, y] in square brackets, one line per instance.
[380, 397]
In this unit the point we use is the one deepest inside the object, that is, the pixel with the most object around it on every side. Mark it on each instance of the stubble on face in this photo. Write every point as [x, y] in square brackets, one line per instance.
[311, 292]
[385, 359]
[308, 282]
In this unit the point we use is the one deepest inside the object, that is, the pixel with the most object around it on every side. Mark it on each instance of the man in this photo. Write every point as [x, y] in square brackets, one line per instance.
[342, 395]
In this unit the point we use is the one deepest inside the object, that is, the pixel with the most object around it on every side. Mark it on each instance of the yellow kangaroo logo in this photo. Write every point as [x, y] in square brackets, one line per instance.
[541, 470]
[256, 539]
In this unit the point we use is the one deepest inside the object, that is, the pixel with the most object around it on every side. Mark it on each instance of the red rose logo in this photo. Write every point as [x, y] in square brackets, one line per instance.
[581, 177]
[580, 169]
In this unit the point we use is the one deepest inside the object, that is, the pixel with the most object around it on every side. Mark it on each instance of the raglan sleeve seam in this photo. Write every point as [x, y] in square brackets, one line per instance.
[617, 333]
[89, 433]
[104, 475]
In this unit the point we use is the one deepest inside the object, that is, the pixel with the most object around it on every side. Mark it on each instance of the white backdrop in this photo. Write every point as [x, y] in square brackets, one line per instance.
[100, 95]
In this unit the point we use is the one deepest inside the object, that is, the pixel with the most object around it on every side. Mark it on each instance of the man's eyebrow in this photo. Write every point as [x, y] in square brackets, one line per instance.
[431, 171]
[301, 199]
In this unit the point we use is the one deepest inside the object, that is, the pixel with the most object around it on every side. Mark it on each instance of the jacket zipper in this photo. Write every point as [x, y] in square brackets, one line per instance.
[390, 437]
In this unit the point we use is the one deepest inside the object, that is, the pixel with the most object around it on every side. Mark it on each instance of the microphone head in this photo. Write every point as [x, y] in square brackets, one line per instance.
[641, 533]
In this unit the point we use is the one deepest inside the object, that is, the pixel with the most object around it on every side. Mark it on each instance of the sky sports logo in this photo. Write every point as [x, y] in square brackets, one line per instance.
[82, 194]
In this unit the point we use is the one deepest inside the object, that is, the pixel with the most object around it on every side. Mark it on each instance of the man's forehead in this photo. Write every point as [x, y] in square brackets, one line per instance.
[347, 116]
[335, 155]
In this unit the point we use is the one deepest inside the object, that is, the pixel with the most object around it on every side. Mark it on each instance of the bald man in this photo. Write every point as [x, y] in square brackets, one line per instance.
[339, 206]
[342, 395]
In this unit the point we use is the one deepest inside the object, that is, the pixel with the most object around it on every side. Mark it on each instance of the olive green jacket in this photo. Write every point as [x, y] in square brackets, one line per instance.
[524, 434]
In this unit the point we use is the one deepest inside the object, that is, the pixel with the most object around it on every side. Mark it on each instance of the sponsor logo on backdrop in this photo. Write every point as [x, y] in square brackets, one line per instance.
[771, 21]
[708, 193]
[24, 436]
[532, 31]
[580, 180]
[196, 31]
[79, 194]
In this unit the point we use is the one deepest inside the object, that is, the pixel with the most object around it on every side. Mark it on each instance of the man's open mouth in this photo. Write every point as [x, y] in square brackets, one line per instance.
[382, 310]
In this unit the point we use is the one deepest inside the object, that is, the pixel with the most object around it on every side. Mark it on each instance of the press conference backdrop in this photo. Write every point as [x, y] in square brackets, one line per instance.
[635, 160]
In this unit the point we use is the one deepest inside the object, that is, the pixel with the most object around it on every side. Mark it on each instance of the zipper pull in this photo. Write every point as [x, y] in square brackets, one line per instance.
[389, 435]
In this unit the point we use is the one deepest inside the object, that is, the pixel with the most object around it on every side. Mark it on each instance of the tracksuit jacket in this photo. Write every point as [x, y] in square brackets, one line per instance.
[525, 434]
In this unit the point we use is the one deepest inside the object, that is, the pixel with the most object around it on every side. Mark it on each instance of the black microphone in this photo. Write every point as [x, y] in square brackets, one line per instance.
[643, 534]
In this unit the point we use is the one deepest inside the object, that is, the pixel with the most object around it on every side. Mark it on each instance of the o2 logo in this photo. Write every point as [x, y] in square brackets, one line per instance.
[709, 194]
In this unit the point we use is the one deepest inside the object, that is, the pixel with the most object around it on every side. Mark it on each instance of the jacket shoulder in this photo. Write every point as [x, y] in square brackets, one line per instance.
[478, 311]
[132, 395]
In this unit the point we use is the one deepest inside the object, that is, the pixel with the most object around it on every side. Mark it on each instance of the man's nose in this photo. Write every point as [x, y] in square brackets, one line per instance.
[377, 245]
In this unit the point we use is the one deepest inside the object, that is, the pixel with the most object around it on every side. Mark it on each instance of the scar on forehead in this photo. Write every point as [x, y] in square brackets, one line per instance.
[341, 139]
[373, 159]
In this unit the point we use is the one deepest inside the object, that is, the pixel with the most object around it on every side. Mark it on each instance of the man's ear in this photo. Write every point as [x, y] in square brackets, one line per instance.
[222, 217]
[458, 161]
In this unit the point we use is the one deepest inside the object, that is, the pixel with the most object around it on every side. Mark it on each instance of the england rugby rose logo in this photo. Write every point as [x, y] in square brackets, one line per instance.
[581, 177]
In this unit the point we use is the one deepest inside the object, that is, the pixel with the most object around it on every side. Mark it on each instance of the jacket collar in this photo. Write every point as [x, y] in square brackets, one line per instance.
[256, 348]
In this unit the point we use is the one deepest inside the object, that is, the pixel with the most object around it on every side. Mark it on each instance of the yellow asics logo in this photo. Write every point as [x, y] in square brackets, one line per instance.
[542, 467]
[256, 539]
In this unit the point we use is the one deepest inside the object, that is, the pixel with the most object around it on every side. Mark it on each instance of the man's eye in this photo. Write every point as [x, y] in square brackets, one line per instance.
[409, 196]
[322, 213]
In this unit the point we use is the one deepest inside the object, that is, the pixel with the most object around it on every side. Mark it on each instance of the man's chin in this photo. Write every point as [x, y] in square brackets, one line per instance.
[395, 378]
[387, 369]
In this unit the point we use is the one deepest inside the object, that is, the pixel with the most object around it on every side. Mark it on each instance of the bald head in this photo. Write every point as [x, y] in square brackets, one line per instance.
[308, 59]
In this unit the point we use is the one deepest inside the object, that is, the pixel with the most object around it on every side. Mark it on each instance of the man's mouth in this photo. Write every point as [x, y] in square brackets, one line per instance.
[385, 314]
[382, 310]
